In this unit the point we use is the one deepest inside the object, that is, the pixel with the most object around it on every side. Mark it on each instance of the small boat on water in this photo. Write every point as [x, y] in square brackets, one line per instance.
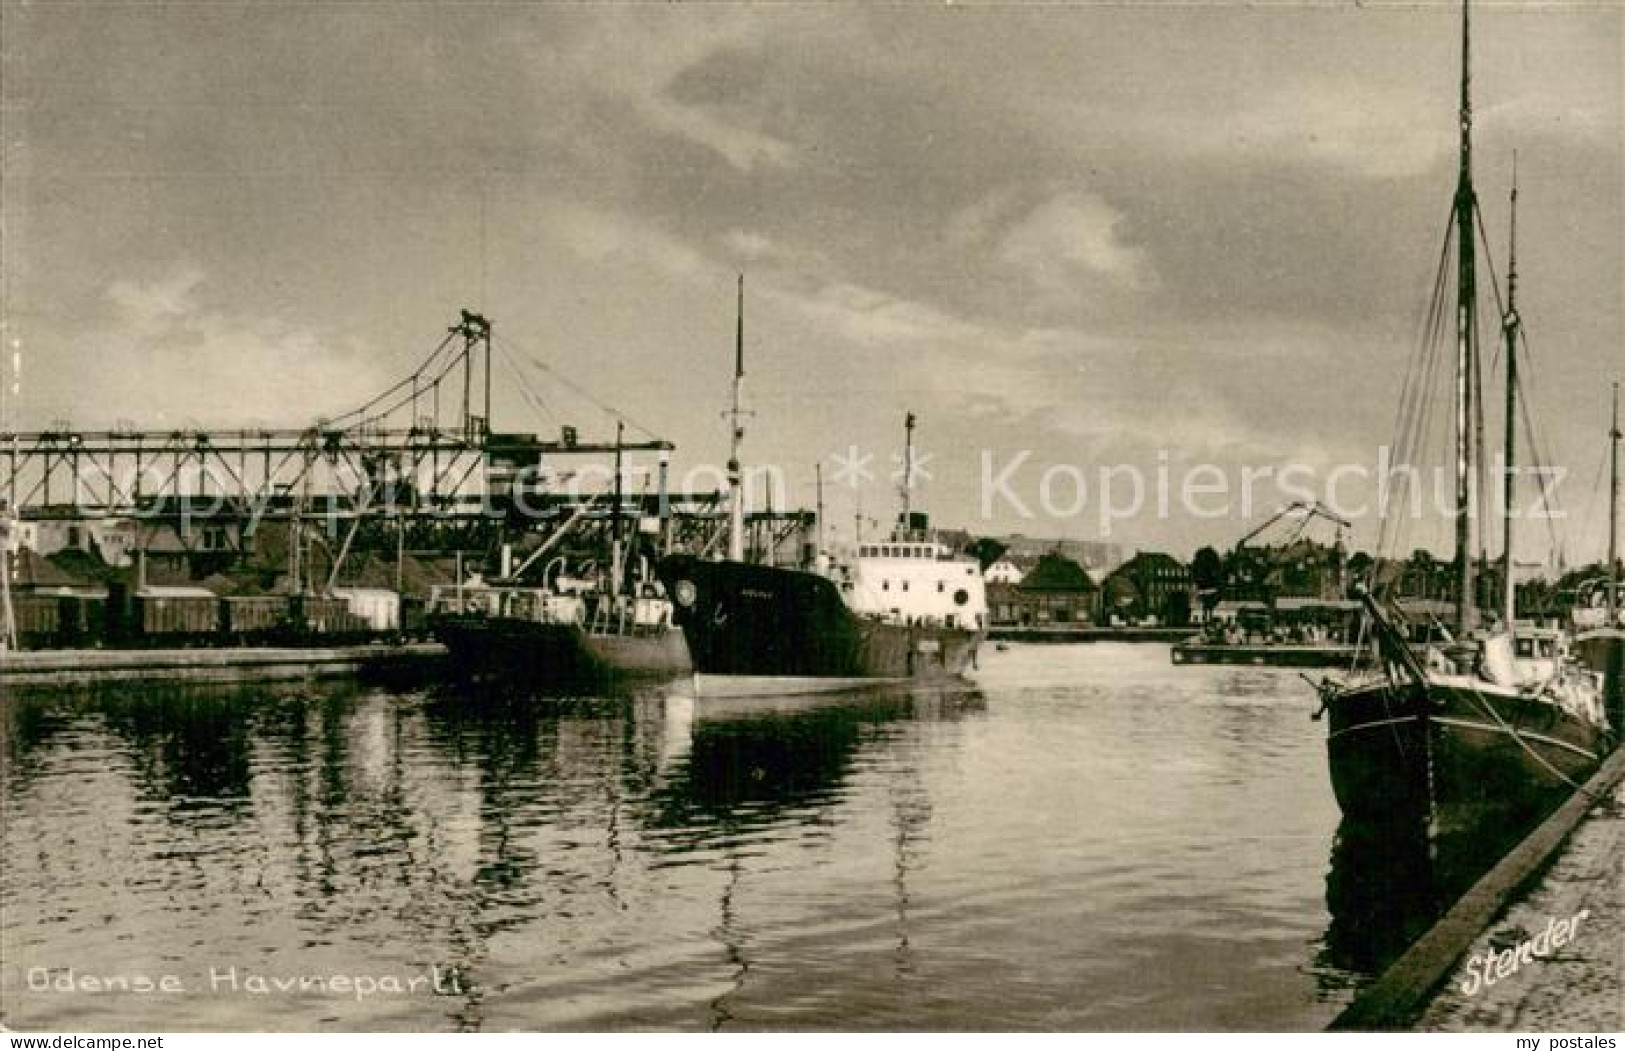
[1496, 724]
[1291, 633]
[905, 609]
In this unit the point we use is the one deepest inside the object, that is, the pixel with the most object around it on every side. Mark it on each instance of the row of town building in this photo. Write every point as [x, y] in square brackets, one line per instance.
[1055, 589]
[1035, 583]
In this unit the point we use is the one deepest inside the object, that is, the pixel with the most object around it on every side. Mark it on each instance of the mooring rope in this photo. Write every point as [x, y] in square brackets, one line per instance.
[1496, 716]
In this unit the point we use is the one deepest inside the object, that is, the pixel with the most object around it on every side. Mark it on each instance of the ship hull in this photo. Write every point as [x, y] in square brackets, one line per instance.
[532, 655]
[1603, 651]
[1459, 754]
[771, 630]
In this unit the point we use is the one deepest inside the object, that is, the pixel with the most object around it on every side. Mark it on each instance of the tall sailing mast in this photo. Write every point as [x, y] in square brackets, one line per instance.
[1510, 326]
[736, 485]
[1466, 205]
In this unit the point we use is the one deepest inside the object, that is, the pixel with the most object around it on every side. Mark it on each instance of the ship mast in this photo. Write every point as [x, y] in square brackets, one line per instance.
[736, 489]
[617, 564]
[906, 489]
[1466, 348]
[818, 479]
[1510, 326]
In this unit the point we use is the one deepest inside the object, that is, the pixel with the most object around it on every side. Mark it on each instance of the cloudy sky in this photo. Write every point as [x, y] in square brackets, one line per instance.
[1101, 234]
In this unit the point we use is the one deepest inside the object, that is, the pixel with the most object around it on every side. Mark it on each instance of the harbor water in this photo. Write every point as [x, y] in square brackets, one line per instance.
[1086, 838]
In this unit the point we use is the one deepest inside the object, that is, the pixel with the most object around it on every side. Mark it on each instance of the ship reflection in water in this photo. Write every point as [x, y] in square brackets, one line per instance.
[1088, 839]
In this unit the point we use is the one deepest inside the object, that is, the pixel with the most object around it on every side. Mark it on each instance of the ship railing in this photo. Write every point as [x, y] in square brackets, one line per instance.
[902, 620]
[630, 615]
[538, 605]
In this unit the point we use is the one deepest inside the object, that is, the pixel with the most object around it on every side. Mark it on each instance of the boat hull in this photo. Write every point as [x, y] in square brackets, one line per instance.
[534, 655]
[1459, 754]
[703, 685]
[1603, 651]
[779, 630]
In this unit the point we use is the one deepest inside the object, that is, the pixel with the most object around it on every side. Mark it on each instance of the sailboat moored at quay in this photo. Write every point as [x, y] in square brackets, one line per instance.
[1500, 722]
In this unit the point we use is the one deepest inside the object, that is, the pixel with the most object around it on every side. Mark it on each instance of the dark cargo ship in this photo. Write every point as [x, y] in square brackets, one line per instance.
[755, 628]
[905, 609]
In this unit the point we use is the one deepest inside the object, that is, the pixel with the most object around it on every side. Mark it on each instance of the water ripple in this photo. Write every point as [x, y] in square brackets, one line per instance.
[1090, 838]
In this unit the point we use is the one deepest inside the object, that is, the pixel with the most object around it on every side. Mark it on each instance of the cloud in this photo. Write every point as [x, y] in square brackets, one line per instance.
[877, 320]
[1358, 129]
[156, 305]
[1550, 112]
[638, 56]
[598, 234]
[749, 245]
[1355, 128]
[1074, 236]
[978, 223]
[741, 147]
[1123, 396]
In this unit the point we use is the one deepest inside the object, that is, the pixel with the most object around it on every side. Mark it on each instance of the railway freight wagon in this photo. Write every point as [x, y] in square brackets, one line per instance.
[172, 616]
[251, 619]
[323, 618]
[379, 607]
[83, 620]
[59, 621]
[38, 620]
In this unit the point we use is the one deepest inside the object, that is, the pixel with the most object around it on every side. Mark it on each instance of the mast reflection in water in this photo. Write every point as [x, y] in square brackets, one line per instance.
[1090, 839]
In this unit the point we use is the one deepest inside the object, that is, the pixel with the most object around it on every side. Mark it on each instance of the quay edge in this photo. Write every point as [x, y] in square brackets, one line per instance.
[1402, 993]
[1009, 633]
